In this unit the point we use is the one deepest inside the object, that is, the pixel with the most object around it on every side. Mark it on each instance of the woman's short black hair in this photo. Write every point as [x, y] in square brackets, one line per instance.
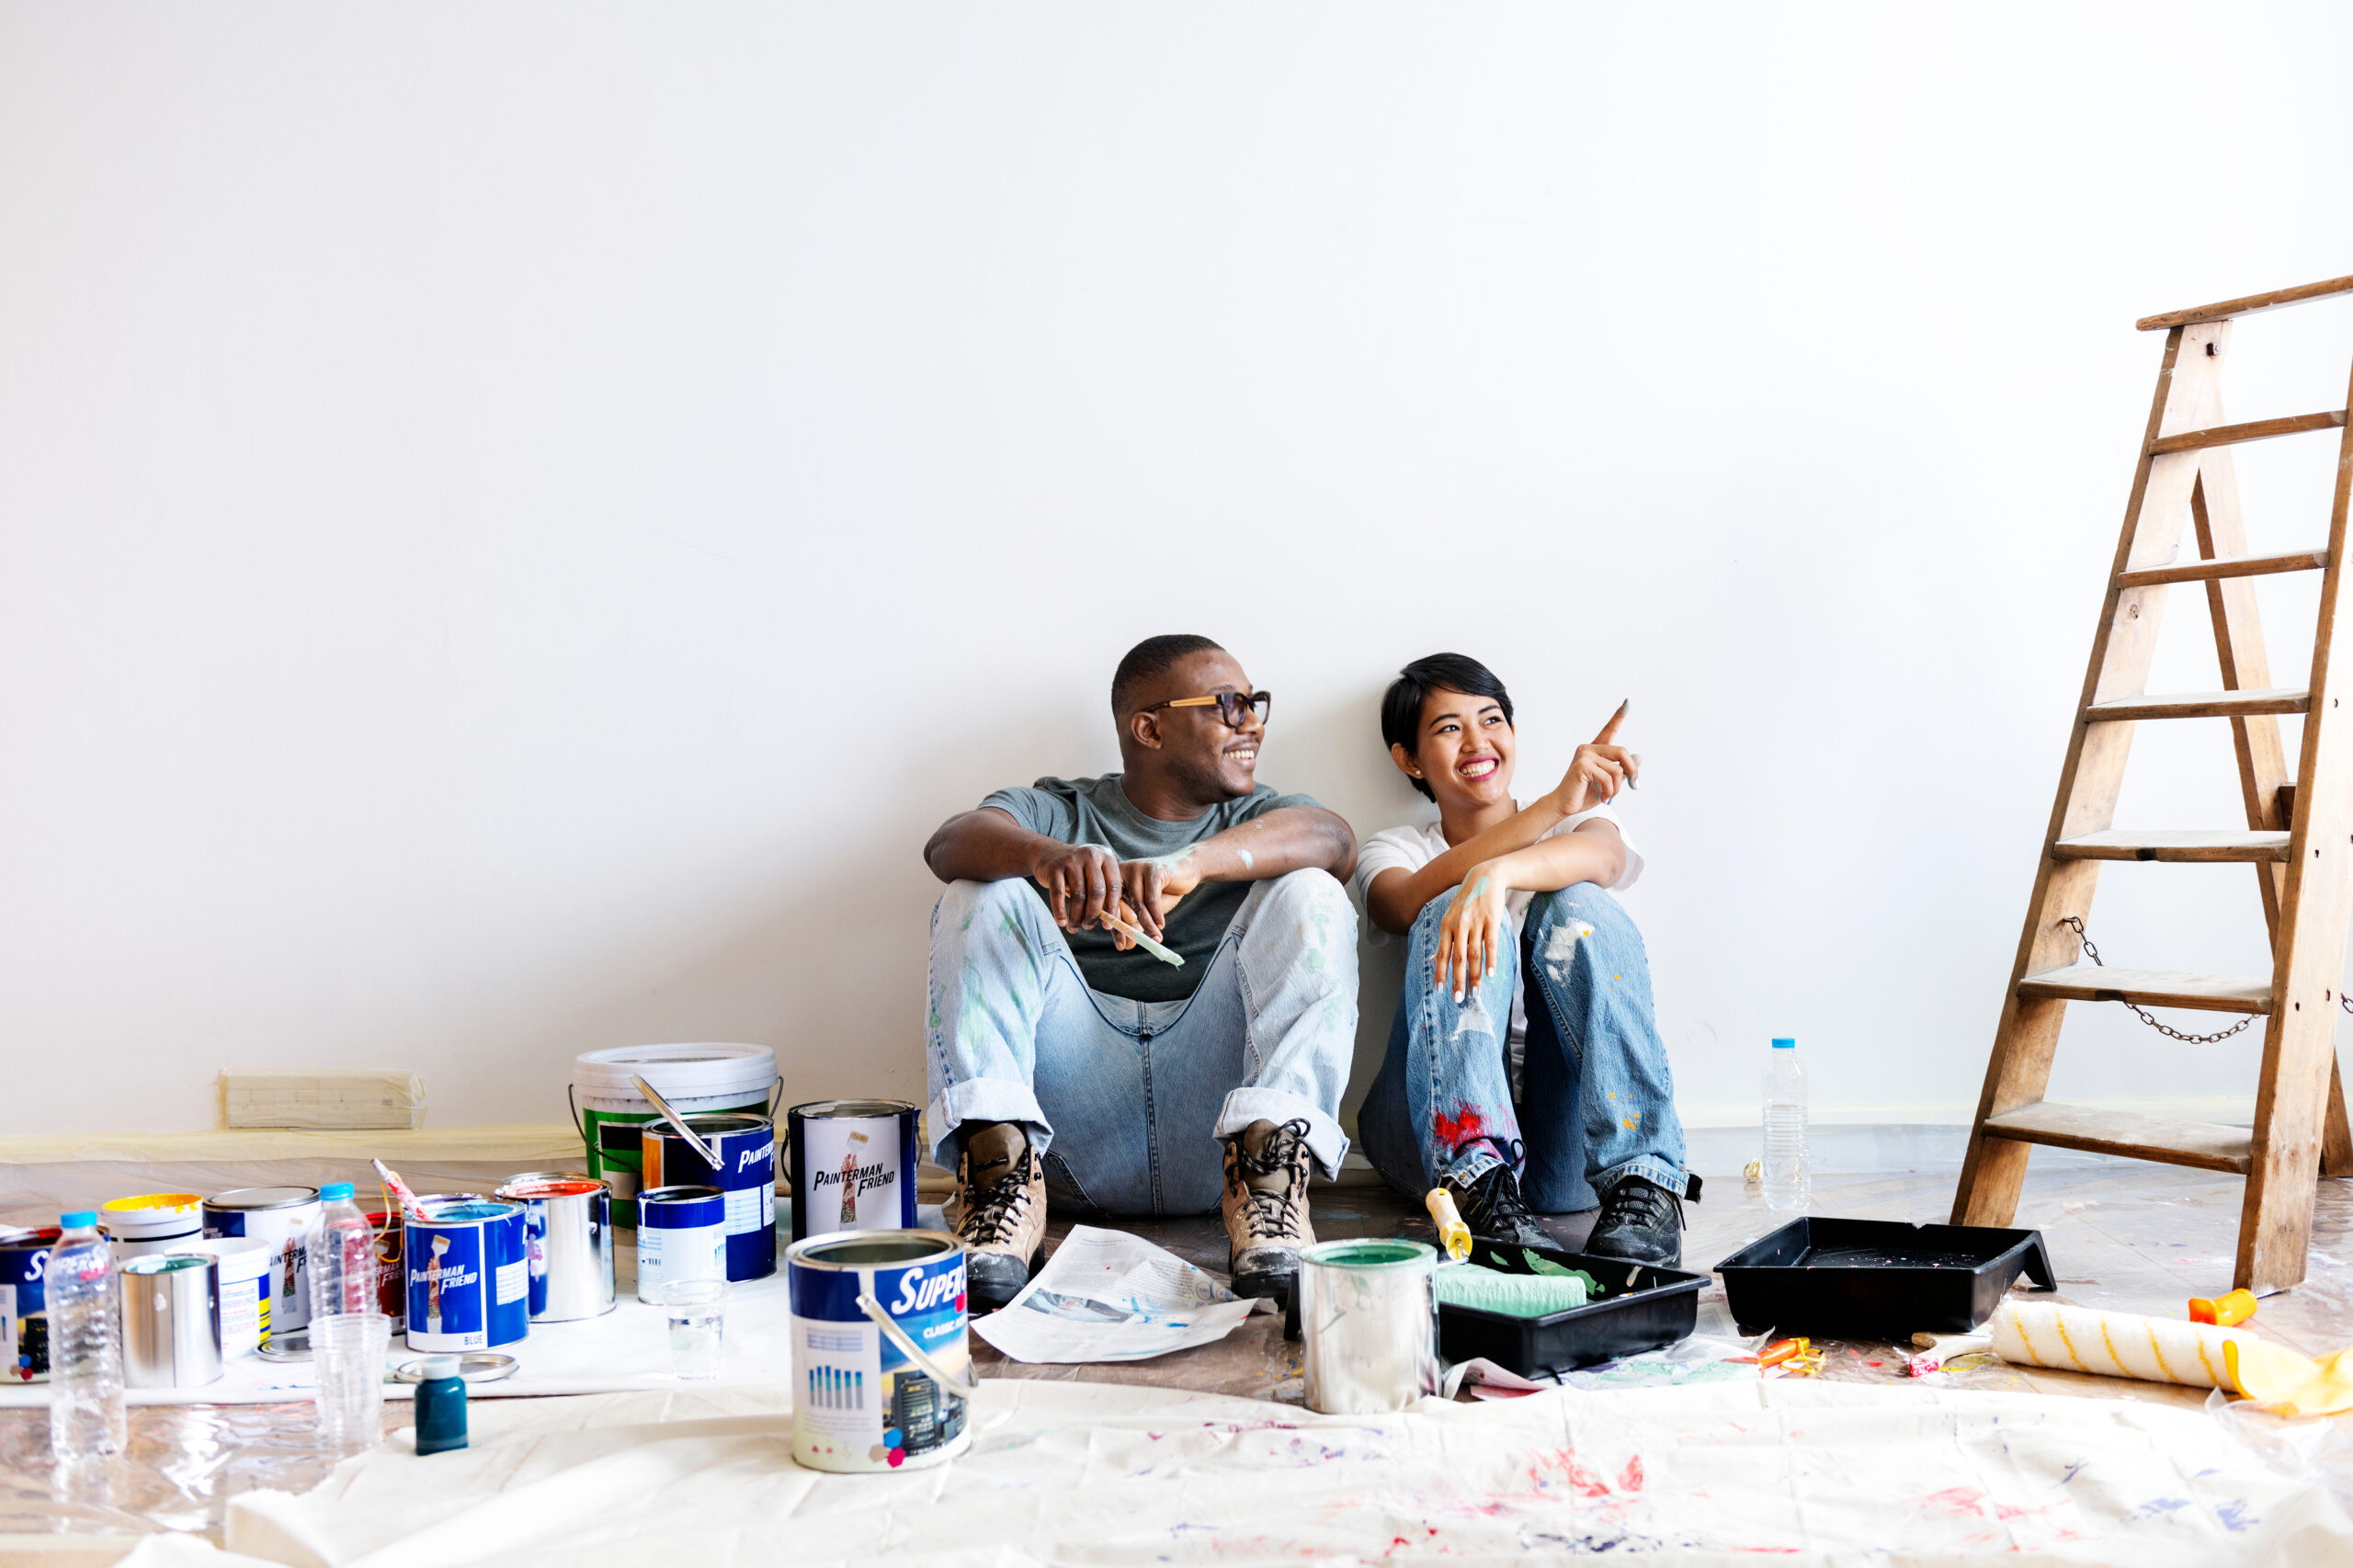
[1401, 706]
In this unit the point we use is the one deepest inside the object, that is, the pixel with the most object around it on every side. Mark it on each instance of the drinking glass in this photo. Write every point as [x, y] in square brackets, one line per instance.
[697, 1310]
[347, 1353]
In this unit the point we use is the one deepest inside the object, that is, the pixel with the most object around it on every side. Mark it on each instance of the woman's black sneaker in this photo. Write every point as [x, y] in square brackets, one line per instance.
[1640, 1222]
[1492, 1209]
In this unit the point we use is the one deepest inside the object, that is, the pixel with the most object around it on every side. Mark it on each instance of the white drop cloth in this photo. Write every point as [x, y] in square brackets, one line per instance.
[1102, 1475]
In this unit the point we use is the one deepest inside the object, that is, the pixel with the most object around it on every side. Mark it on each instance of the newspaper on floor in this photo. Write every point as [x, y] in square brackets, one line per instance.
[1108, 1296]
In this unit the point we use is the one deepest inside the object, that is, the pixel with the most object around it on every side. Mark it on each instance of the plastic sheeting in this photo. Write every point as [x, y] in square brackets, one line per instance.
[1104, 1474]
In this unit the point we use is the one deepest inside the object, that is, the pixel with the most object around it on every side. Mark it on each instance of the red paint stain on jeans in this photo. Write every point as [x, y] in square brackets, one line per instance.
[1467, 1125]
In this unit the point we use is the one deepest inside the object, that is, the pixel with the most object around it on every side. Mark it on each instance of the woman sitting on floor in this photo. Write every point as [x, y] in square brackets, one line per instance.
[1569, 1099]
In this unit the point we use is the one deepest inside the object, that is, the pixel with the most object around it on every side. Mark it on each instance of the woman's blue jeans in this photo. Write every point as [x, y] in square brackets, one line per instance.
[1596, 1097]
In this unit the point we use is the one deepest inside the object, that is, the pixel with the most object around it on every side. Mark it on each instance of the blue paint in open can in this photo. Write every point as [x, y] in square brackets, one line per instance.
[469, 1273]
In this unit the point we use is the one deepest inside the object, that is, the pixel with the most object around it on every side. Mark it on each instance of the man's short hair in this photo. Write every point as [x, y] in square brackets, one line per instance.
[1401, 706]
[1148, 659]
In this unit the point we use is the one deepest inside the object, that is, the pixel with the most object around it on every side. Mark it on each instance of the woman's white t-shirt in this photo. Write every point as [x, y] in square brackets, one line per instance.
[1408, 849]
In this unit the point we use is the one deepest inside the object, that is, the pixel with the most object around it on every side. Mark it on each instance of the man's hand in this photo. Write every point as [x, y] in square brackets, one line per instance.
[1151, 888]
[1597, 770]
[1081, 883]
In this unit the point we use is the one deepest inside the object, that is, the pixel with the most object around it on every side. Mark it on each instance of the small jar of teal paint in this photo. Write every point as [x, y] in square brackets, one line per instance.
[440, 1406]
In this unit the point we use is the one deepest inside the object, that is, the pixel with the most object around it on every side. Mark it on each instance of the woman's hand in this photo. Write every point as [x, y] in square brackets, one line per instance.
[1597, 769]
[1476, 926]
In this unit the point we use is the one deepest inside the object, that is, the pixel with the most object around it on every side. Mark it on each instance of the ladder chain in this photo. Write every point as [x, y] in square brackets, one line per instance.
[2093, 953]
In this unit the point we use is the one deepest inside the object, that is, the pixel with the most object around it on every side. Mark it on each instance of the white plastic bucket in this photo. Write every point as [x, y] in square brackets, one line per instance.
[696, 1077]
[244, 1290]
[152, 1222]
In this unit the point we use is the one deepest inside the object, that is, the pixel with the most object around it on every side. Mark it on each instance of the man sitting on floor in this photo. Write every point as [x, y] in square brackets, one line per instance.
[1062, 1050]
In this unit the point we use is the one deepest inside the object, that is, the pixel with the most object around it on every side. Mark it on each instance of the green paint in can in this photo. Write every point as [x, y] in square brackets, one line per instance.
[608, 1111]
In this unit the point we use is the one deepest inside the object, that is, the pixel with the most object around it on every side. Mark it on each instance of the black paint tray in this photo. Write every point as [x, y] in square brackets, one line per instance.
[1641, 1307]
[1878, 1279]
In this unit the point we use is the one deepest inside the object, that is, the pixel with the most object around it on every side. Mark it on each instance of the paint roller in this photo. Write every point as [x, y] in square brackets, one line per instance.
[2167, 1350]
[1550, 1290]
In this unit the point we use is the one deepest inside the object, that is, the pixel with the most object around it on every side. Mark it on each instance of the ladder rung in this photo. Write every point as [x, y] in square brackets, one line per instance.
[2167, 844]
[2228, 566]
[2207, 1144]
[2150, 988]
[2255, 430]
[2201, 705]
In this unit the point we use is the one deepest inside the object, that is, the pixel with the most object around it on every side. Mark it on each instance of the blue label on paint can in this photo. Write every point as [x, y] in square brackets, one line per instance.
[745, 1175]
[24, 1319]
[859, 1401]
[469, 1277]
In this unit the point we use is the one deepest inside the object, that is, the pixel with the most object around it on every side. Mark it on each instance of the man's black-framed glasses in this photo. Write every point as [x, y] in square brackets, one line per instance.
[1232, 706]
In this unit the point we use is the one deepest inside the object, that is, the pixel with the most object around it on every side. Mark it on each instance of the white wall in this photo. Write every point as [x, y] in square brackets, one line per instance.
[517, 520]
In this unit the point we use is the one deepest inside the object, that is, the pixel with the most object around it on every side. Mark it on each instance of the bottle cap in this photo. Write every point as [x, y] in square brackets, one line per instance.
[1785, 1045]
[79, 1220]
[335, 1190]
[439, 1367]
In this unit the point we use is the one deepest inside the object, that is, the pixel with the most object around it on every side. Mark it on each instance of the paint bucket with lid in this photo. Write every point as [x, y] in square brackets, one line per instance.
[1368, 1310]
[607, 1109]
[681, 1234]
[24, 1319]
[171, 1321]
[747, 1174]
[469, 1273]
[281, 1216]
[152, 1222]
[852, 1166]
[568, 1234]
[243, 1283]
[881, 1366]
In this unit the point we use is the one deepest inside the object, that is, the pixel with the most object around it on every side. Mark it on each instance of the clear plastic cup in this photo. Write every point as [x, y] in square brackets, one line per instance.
[698, 1313]
[347, 1352]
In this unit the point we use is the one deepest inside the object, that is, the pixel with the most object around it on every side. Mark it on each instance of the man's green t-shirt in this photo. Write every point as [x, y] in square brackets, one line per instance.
[1097, 811]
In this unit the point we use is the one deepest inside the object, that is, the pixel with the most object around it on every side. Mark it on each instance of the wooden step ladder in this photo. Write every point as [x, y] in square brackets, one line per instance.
[2299, 832]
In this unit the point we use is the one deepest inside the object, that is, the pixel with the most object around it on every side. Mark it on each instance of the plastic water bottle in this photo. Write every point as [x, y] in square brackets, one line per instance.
[85, 1419]
[1789, 1184]
[342, 1247]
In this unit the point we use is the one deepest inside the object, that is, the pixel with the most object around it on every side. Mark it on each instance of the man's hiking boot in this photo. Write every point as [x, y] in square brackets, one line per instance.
[1265, 1206]
[1001, 1213]
[1491, 1207]
[1640, 1222]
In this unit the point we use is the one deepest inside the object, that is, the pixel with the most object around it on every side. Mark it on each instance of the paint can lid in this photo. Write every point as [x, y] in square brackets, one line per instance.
[1785, 1045]
[439, 1367]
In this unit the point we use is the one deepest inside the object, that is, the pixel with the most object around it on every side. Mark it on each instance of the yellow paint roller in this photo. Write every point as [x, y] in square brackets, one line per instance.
[2167, 1350]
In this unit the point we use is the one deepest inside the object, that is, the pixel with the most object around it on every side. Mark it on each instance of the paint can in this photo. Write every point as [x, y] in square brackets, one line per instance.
[1368, 1310]
[746, 1149]
[152, 1222]
[608, 1111]
[568, 1231]
[392, 1280]
[469, 1273]
[171, 1321]
[681, 1234]
[244, 1287]
[24, 1320]
[283, 1216]
[860, 1403]
[852, 1164]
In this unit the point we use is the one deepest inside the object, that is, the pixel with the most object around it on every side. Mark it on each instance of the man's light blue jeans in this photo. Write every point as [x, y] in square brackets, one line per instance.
[1127, 1100]
[1597, 1098]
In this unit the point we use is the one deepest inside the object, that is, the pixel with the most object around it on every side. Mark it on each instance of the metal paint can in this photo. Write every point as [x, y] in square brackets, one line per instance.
[568, 1231]
[171, 1321]
[681, 1234]
[852, 1164]
[1368, 1310]
[391, 1279]
[283, 1216]
[469, 1273]
[152, 1222]
[243, 1284]
[859, 1401]
[24, 1319]
[746, 1149]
